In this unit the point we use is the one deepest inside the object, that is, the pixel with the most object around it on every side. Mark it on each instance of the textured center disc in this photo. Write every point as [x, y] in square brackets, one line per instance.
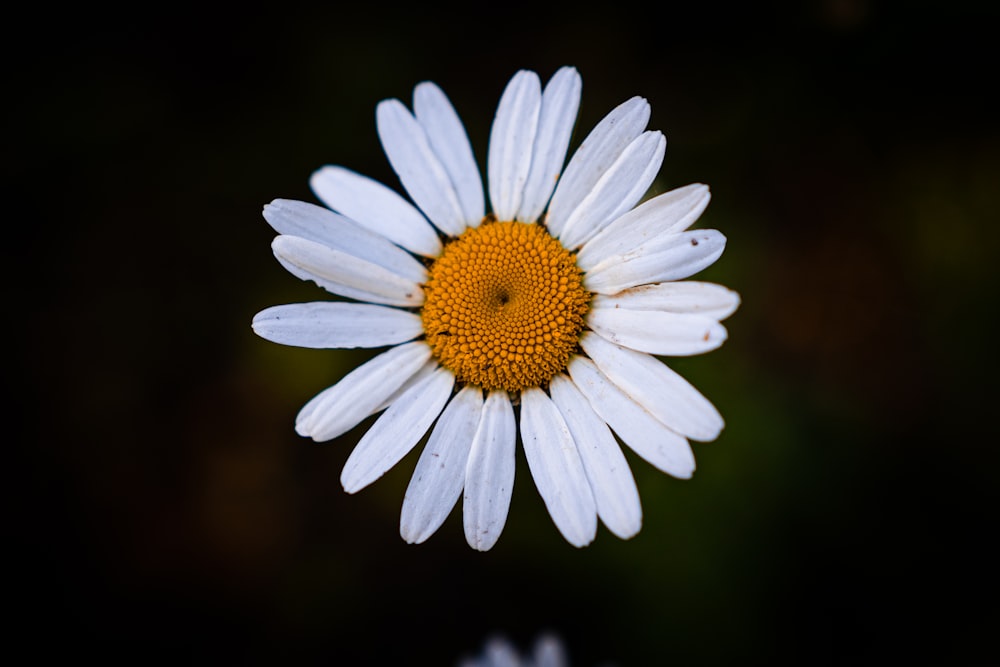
[504, 306]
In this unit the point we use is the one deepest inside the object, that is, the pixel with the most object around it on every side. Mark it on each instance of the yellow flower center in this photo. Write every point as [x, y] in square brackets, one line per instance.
[504, 306]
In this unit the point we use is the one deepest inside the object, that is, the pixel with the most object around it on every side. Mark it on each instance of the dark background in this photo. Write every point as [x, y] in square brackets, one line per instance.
[161, 506]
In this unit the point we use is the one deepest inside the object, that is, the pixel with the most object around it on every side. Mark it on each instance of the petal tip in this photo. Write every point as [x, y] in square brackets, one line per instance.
[351, 485]
[412, 536]
[581, 542]
[628, 531]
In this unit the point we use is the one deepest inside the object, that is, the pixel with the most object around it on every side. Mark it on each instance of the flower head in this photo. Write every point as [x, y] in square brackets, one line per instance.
[541, 316]
[548, 651]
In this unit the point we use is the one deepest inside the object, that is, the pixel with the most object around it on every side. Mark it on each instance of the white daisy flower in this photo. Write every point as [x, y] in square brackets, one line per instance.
[542, 316]
[548, 651]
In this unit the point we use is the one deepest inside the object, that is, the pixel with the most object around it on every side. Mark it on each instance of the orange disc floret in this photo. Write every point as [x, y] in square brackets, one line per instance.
[504, 306]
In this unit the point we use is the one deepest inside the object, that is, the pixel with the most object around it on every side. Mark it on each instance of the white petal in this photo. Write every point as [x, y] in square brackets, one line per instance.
[672, 257]
[657, 332]
[315, 223]
[345, 274]
[512, 139]
[429, 367]
[689, 296]
[341, 407]
[549, 652]
[395, 433]
[329, 324]
[377, 208]
[450, 142]
[594, 156]
[489, 475]
[611, 480]
[621, 186]
[637, 428]
[669, 213]
[420, 171]
[440, 473]
[556, 468]
[560, 103]
[653, 385]
[500, 653]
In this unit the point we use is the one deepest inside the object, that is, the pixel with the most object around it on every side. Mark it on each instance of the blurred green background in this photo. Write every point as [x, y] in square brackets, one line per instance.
[162, 506]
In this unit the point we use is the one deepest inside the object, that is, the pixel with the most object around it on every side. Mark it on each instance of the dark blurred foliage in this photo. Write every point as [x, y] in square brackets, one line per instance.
[162, 508]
